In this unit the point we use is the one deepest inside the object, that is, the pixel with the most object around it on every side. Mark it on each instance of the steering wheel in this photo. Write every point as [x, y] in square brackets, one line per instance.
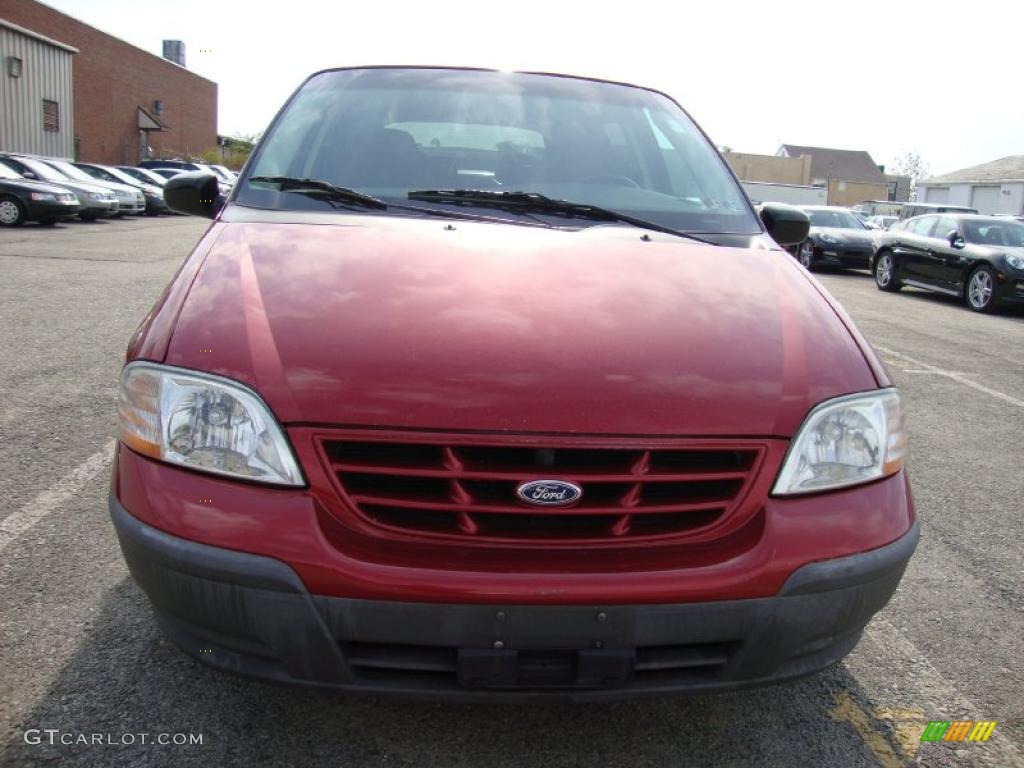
[612, 178]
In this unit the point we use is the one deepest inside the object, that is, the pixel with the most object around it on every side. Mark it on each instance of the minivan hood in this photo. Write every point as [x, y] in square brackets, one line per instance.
[434, 324]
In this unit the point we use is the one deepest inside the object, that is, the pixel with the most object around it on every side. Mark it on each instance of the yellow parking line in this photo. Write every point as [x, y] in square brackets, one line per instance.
[849, 711]
[907, 726]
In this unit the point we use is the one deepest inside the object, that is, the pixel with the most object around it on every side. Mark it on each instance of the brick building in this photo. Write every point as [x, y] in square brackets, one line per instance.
[125, 99]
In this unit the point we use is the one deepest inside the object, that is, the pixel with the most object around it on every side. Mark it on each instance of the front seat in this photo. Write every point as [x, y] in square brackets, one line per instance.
[387, 158]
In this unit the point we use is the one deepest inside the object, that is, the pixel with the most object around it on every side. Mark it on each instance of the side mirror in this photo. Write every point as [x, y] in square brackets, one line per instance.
[786, 225]
[195, 193]
[955, 240]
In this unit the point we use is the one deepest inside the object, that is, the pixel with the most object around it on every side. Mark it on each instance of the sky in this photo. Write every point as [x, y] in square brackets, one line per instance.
[945, 80]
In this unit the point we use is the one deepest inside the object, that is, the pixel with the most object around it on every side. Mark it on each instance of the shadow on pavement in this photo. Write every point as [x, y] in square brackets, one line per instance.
[955, 302]
[126, 679]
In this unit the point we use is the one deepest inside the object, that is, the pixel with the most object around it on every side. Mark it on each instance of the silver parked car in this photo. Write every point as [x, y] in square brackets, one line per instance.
[129, 198]
[96, 200]
[145, 175]
[881, 221]
[153, 194]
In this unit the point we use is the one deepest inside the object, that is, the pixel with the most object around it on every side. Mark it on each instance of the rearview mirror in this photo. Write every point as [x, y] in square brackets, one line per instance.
[786, 225]
[955, 240]
[195, 193]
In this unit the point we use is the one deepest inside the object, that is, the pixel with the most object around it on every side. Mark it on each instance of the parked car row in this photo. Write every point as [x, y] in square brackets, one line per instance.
[48, 189]
[977, 258]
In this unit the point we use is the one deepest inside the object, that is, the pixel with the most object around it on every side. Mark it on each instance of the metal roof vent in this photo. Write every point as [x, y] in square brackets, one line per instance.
[174, 50]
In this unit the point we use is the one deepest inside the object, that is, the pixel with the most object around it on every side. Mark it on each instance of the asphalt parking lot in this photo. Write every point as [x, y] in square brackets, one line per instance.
[79, 651]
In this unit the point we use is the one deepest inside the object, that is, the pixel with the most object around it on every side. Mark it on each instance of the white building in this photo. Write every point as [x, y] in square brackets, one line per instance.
[996, 187]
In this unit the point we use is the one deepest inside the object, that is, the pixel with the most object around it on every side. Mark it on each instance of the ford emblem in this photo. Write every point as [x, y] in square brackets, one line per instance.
[549, 493]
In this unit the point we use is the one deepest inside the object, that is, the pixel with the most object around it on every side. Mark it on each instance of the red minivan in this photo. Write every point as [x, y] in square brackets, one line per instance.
[487, 384]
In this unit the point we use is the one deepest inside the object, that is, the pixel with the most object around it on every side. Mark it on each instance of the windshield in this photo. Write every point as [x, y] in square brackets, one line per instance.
[1005, 233]
[42, 170]
[70, 171]
[146, 177]
[120, 175]
[386, 132]
[834, 220]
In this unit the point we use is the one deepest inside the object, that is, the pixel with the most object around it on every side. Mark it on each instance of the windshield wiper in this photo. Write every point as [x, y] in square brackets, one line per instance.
[333, 193]
[324, 189]
[538, 203]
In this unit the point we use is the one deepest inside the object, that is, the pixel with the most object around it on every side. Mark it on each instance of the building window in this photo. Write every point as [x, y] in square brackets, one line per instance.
[51, 115]
[14, 66]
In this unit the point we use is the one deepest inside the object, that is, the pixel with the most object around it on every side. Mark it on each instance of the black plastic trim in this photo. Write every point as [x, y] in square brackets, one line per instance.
[252, 615]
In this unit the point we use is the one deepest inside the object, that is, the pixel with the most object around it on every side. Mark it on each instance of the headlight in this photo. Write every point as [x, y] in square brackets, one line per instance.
[97, 196]
[846, 441]
[122, 193]
[42, 196]
[203, 422]
[1017, 262]
[827, 238]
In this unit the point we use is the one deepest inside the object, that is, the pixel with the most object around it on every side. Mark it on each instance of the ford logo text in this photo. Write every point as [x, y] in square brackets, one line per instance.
[549, 493]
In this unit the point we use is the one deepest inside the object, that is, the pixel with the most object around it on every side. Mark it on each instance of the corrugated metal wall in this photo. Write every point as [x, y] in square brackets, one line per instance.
[46, 74]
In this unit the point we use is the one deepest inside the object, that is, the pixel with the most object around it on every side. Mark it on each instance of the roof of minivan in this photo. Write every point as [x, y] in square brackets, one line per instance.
[491, 70]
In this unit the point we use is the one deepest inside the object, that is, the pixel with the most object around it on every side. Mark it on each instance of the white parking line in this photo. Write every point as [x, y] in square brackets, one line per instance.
[955, 376]
[53, 498]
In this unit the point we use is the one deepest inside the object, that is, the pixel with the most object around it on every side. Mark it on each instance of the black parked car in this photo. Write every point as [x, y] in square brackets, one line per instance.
[24, 200]
[977, 258]
[837, 238]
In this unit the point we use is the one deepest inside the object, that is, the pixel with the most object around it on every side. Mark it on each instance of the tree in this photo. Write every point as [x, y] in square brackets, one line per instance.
[232, 151]
[911, 164]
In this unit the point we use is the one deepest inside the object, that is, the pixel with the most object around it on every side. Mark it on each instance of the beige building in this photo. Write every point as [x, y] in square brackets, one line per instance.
[851, 176]
[770, 168]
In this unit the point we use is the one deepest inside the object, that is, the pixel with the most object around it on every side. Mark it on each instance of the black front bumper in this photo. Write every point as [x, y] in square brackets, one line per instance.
[50, 209]
[155, 205]
[252, 615]
[1010, 290]
[849, 257]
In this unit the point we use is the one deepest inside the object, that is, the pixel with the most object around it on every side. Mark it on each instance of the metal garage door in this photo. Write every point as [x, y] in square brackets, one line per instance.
[985, 199]
[936, 195]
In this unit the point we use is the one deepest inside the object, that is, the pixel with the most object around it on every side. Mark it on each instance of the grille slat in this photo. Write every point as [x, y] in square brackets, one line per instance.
[469, 490]
[371, 469]
[512, 509]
